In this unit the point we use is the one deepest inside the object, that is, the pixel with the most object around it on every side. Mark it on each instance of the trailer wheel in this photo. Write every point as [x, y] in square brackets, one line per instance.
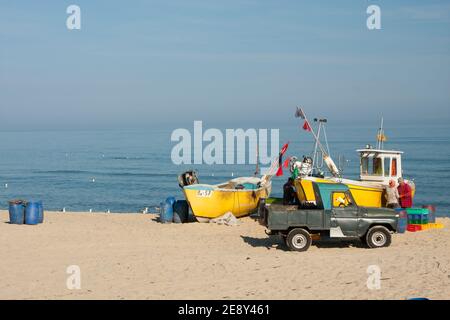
[298, 240]
[378, 237]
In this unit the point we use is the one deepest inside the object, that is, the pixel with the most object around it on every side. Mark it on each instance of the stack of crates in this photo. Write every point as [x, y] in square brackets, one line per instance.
[422, 219]
[431, 212]
[432, 224]
[417, 219]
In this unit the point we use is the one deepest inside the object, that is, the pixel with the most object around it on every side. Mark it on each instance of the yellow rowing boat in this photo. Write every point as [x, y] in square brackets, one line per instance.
[240, 196]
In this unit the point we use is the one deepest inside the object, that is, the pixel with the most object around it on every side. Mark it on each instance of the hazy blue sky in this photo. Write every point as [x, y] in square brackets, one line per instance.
[247, 62]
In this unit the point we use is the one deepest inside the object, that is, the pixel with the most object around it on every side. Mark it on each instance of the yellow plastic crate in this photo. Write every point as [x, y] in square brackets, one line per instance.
[426, 226]
[436, 225]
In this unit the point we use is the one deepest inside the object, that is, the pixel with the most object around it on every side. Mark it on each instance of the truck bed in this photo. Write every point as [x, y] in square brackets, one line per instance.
[282, 216]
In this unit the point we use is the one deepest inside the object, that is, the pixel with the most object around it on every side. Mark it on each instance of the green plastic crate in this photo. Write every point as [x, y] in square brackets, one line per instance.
[416, 211]
[414, 218]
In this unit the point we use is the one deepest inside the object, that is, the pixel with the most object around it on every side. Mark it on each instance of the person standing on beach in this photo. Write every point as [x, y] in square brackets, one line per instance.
[404, 190]
[392, 195]
[289, 194]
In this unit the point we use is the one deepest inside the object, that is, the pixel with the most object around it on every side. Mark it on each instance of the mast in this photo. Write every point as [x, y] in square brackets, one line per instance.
[326, 157]
[315, 145]
[257, 160]
[321, 128]
[381, 138]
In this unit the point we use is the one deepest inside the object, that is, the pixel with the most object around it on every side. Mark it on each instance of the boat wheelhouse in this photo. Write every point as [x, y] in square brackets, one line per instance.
[378, 165]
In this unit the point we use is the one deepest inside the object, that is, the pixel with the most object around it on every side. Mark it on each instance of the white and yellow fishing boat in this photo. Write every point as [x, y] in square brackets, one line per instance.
[377, 167]
[240, 196]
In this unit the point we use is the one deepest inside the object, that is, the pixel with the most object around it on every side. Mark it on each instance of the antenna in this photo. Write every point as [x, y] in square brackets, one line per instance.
[257, 160]
[381, 138]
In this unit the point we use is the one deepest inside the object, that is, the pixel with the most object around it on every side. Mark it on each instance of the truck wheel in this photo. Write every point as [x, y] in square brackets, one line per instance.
[378, 237]
[298, 239]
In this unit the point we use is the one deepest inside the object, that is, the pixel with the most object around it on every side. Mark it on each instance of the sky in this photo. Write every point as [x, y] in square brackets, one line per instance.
[228, 63]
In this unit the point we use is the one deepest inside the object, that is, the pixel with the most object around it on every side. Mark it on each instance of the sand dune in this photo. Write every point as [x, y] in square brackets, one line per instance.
[131, 256]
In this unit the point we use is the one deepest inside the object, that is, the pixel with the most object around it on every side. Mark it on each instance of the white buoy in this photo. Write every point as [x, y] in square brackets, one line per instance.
[6, 186]
[93, 179]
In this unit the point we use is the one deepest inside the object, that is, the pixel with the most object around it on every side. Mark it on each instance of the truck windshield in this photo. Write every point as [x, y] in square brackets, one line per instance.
[341, 200]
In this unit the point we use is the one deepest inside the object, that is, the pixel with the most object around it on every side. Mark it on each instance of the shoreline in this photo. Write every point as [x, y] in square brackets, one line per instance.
[132, 256]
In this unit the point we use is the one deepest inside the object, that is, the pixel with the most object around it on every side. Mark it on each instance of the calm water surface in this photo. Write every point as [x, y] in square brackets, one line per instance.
[125, 171]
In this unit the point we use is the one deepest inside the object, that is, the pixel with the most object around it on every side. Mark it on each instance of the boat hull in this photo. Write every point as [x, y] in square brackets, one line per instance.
[366, 194]
[209, 201]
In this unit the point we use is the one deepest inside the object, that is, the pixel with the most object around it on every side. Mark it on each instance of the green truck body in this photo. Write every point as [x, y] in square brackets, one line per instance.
[348, 220]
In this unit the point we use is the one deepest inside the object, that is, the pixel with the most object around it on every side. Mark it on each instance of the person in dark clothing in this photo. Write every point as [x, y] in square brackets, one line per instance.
[289, 193]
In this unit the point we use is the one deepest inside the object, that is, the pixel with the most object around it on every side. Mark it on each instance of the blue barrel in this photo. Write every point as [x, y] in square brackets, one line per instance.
[32, 213]
[402, 220]
[17, 212]
[166, 215]
[180, 211]
[41, 212]
[171, 200]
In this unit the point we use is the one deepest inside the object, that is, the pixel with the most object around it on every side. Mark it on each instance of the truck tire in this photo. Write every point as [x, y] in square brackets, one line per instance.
[378, 237]
[298, 239]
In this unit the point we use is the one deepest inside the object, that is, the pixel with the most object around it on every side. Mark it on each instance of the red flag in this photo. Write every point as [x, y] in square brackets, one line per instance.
[284, 148]
[280, 171]
[286, 162]
[280, 159]
[306, 126]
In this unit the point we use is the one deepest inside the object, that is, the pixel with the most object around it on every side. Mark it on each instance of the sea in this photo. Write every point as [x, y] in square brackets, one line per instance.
[125, 171]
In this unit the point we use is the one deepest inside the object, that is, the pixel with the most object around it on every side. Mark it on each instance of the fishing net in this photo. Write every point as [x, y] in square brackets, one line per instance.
[227, 219]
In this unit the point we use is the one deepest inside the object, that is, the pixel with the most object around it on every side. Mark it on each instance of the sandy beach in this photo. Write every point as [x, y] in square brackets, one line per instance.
[131, 256]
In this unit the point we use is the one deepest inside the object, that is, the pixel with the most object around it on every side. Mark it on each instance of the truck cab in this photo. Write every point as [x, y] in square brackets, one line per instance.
[335, 215]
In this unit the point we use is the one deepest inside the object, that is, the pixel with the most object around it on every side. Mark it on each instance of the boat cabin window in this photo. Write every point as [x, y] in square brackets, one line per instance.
[377, 166]
[341, 199]
[394, 167]
[371, 165]
[386, 166]
[365, 165]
